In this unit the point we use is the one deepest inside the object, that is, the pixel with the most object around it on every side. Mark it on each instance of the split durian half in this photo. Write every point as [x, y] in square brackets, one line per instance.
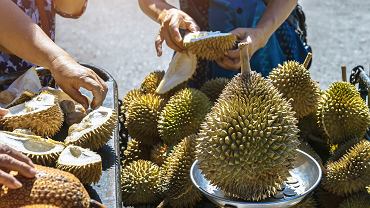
[41, 151]
[41, 114]
[94, 130]
[24, 97]
[85, 164]
[209, 45]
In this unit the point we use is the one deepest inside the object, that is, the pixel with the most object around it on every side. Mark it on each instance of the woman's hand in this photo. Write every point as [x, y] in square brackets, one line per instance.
[231, 59]
[71, 76]
[171, 21]
[11, 160]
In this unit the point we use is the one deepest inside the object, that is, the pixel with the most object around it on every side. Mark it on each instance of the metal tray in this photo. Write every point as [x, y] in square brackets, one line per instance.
[107, 190]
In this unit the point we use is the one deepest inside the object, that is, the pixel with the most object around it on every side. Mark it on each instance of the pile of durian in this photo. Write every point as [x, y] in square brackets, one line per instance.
[36, 119]
[244, 132]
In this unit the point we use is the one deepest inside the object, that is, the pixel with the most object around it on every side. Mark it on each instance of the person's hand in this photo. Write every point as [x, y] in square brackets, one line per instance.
[11, 160]
[257, 39]
[171, 21]
[71, 76]
[3, 112]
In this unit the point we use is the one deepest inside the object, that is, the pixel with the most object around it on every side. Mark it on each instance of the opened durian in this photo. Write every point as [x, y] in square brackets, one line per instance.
[140, 183]
[310, 202]
[135, 150]
[159, 153]
[41, 151]
[180, 191]
[248, 141]
[351, 173]
[24, 97]
[49, 187]
[293, 80]
[85, 164]
[214, 87]
[182, 115]
[209, 45]
[41, 114]
[142, 118]
[94, 130]
[342, 113]
[359, 200]
[128, 98]
[151, 82]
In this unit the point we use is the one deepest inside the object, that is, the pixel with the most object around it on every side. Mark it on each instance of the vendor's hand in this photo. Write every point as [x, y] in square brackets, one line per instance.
[171, 21]
[11, 160]
[257, 40]
[71, 76]
[3, 112]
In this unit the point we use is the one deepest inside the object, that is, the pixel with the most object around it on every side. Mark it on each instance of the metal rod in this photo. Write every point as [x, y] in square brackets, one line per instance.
[368, 91]
[244, 58]
[344, 73]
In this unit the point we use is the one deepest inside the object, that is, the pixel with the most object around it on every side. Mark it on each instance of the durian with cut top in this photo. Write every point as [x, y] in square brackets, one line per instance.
[214, 87]
[41, 151]
[95, 130]
[41, 114]
[85, 164]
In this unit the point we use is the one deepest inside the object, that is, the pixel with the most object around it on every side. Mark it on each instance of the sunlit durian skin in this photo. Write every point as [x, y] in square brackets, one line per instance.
[182, 115]
[214, 87]
[135, 150]
[247, 143]
[129, 97]
[151, 82]
[140, 183]
[342, 113]
[351, 173]
[358, 200]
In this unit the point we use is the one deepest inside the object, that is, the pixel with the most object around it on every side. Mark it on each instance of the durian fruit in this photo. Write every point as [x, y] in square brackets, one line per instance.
[180, 191]
[140, 183]
[182, 115]
[342, 113]
[159, 153]
[23, 97]
[85, 164]
[41, 114]
[151, 82]
[135, 150]
[351, 173]
[41, 151]
[49, 187]
[142, 118]
[94, 130]
[248, 141]
[310, 202]
[214, 87]
[359, 200]
[337, 151]
[209, 45]
[129, 97]
[326, 199]
[294, 81]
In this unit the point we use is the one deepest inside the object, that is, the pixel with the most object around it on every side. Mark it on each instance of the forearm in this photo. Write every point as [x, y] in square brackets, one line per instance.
[70, 8]
[276, 13]
[154, 8]
[24, 38]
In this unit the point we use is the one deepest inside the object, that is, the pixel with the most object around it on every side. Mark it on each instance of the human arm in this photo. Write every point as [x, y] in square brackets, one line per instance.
[277, 11]
[27, 40]
[170, 20]
[70, 8]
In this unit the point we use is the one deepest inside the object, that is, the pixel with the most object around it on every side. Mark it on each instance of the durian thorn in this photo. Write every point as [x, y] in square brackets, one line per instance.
[307, 60]
[244, 57]
[162, 204]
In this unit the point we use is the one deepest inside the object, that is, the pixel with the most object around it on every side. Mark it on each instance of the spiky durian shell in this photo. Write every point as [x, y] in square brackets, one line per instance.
[129, 97]
[135, 150]
[182, 115]
[247, 143]
[306, 203]
[214, 87]
[50, 186]
[337, 151]
[95, 138]
[342, 113]
[326, 199]
[46, 160]
[151, 82]
[351, 173]
[159, 153]
[360, 200]
[209, 45]
[44, 123]
[293, 80]
[142, 118]
[140, 183]
[180, 191]
[87, 173]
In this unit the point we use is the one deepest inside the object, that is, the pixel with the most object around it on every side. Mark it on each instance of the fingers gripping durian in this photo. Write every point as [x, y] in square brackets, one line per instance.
[351, 173]
[94, 130]
[214, 87]
[248, 141]
[342, 113]
[85, 164]
[41, 114]
[41, 151]
[209, 45]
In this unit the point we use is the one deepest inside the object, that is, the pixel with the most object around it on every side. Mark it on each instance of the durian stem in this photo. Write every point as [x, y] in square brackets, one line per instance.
[307, 60]
[344, 73]
[244, 58]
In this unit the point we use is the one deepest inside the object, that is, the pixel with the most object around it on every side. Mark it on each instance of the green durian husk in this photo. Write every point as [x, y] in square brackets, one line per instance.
[151, 82]
[214, 87]
[359, 200]
[134, 151]
[128, 99]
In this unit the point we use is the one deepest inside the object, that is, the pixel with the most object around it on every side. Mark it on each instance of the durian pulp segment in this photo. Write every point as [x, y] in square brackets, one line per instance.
[74, 155]
[37, 104]
[180, 69]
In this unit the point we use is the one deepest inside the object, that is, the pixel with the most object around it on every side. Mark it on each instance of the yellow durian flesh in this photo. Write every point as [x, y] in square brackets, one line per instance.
[85, 164]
